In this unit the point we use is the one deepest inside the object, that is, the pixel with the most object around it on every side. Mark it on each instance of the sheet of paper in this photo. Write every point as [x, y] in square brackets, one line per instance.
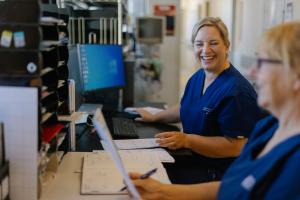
[109, 146]
[152, 110]
[159, 153]
[81, 117]
[101, 176]
[136, 143]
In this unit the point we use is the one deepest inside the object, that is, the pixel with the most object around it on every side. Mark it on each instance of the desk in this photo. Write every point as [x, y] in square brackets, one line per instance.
[66, 184]
[87, 141]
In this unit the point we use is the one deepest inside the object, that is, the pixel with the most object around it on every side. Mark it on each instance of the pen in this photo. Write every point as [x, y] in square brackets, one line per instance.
[144, 176]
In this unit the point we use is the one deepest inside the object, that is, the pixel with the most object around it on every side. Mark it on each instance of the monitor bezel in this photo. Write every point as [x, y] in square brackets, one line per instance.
[153, 40]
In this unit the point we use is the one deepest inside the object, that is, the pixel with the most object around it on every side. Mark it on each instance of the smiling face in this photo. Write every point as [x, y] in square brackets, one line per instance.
[277, 71]
[274, 83]
[210, 49]
[269, 86]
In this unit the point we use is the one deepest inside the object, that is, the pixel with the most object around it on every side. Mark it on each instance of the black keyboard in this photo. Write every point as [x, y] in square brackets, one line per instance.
[124, 128]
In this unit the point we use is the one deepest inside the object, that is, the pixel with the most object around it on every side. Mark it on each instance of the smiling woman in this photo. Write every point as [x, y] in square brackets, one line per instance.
[218, 109]
[268, 167]
[211, 46]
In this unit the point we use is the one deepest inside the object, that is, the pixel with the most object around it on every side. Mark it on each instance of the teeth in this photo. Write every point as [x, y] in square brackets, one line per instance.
[207, 57]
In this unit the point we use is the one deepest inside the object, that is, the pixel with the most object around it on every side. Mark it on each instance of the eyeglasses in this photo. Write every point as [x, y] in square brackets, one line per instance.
[260, 61]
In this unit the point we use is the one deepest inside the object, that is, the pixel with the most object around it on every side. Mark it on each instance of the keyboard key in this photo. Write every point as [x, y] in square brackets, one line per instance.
[124, 128]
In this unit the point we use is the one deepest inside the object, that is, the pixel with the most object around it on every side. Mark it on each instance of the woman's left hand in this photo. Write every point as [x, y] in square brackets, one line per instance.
[172, 140]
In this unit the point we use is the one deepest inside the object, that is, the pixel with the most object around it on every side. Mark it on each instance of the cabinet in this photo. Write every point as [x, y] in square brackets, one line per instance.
[35, 89]
[97, 22]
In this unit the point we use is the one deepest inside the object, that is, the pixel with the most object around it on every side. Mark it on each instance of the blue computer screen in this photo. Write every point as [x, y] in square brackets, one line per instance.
[101, 66]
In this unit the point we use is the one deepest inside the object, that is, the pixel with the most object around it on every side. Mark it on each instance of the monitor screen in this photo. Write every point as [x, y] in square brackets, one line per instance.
[101, 66]
[150, 29]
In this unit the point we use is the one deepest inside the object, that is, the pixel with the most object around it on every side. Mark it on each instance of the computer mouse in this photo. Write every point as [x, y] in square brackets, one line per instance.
[132, 115]
[131, 110]
[89, 120]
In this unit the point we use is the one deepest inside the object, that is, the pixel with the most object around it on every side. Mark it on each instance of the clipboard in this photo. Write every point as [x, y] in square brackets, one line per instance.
[109, 146]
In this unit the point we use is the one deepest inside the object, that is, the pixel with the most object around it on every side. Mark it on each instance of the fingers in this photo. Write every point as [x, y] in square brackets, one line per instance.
[145, 115]
[134, 175]
[142, 111]
[139, 119]
[171, 140]
[166, 141]
[164, 135]
[141, 183]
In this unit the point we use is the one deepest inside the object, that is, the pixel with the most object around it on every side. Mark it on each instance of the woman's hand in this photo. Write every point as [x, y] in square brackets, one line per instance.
[149, 189]
[145, 115]
[172, 140]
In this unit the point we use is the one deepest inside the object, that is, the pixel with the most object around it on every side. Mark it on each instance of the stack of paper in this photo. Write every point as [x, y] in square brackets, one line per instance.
[136, 143]
[144, 145]
[101, 176]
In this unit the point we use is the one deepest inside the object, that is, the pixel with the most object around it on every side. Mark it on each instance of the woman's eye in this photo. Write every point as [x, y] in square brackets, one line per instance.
[214, 43]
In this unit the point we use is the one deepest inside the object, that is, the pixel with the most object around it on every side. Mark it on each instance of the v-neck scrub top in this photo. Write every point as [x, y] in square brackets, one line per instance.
[274, 175]
[228, 108]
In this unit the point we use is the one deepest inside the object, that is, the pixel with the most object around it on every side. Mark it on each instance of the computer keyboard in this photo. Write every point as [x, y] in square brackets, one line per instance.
[124, 128]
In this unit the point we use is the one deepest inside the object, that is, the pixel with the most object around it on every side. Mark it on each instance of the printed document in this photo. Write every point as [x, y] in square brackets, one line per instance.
[136, 143]
[100, 176]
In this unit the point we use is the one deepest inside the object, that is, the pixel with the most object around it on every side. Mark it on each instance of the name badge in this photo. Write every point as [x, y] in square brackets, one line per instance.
[248, 182]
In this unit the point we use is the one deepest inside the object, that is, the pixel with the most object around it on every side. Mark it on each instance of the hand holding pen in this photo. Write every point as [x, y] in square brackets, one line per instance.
[143, 176]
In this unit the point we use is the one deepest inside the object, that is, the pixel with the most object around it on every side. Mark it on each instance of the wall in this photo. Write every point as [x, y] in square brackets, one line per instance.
[168, 53]
[224, 10]
[191, 12]
[248, 32]
[244, 18]
[252, 26]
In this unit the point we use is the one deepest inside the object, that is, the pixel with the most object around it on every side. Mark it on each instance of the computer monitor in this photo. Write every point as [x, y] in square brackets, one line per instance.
[101, 66]
[150, 30]
[75, 74]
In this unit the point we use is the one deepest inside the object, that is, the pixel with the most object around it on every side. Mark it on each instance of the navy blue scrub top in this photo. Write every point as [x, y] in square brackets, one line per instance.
[228, 107]
[274, 175]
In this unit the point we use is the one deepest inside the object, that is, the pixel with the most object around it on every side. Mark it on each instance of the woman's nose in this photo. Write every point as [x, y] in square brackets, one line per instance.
[206, 47]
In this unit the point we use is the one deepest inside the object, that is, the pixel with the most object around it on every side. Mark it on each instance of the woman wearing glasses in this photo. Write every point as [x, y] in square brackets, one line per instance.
[218, 109]
[268, 167]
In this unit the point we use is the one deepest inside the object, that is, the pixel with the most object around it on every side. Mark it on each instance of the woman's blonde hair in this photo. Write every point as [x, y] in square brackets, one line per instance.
[282, 42]
[214, 22]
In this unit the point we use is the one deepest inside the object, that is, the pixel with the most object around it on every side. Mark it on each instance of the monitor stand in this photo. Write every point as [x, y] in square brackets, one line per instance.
[89, 108]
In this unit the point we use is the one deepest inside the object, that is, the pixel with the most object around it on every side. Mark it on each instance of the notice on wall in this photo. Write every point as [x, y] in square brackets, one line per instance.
[273, 13]
[277, 12]
[169, 12]
[288, 11]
